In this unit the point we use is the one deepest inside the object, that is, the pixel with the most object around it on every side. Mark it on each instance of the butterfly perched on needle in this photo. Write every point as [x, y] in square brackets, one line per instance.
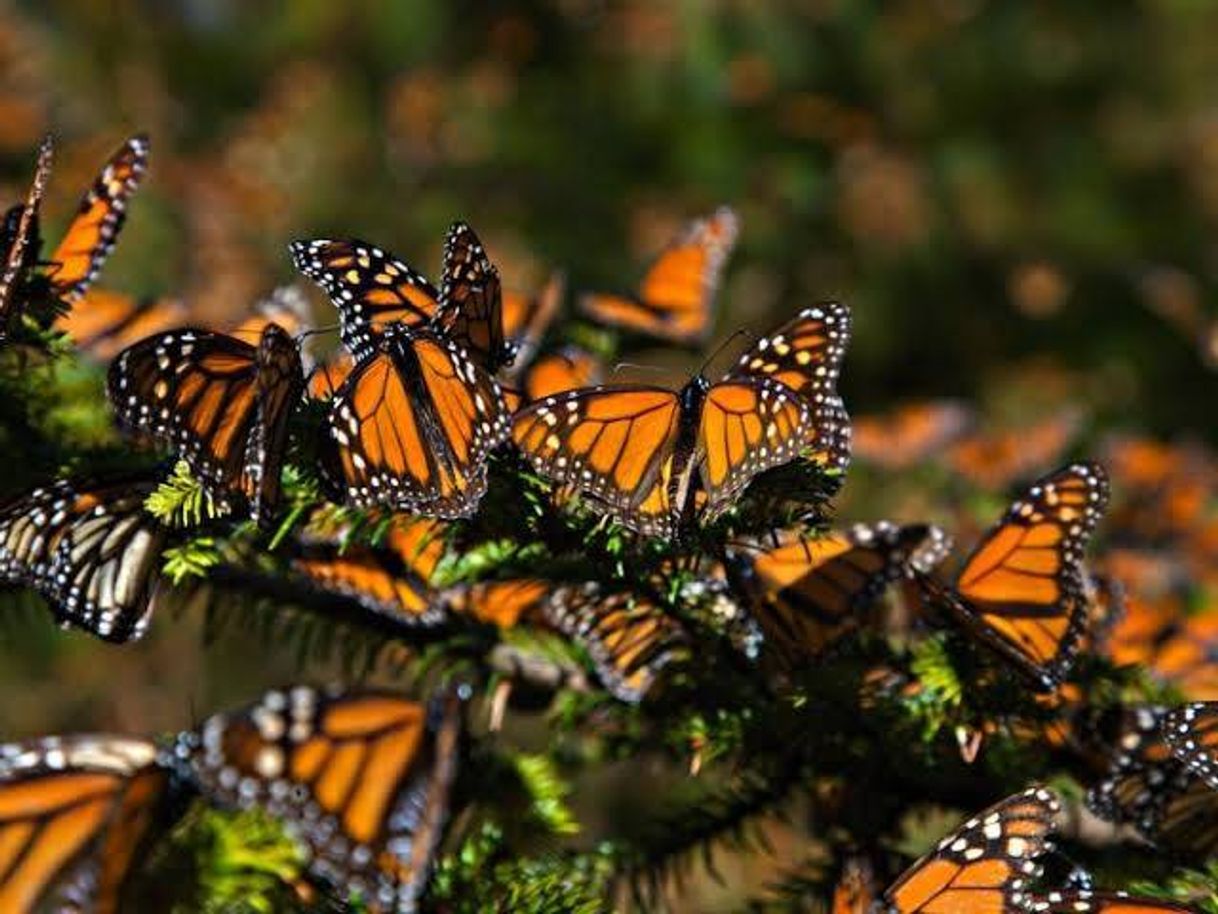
[221, 403]
[808, 590]
[361, 778]
[674, 300]
[1022, 591]
[372, 290]
[648, 454]
[90, 549]
[77, 816]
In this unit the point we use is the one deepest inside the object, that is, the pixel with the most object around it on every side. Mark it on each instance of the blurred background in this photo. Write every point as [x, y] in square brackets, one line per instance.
[1019, 200]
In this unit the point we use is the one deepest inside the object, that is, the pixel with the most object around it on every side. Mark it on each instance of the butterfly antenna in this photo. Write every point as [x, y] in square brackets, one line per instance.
[743, 331]
[316, 331]
[655, 369]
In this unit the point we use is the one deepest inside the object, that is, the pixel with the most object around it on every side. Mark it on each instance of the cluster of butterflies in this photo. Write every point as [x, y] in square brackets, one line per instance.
[431, 381]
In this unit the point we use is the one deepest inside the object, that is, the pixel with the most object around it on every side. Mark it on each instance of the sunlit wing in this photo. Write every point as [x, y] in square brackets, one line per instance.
[412, 426]
[1023, 589]
[361, 778]
[90, 549]
[805, 354]
[985, 865]
[369, 287]
[630, 640]
[615, 443]
[504, 604]
[568, 368]
[993, 460]
[675, 299]
[94, 229]
[909, 435]
[219, 402]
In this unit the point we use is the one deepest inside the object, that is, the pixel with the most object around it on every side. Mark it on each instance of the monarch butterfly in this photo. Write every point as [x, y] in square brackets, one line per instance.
[412, 426]
[629, 639]
[103, 322]
[855, 890]
[526, 318]
[995, 460]
[390, 580]
[985, 864]
[20, 236]
[641, 450]
[568, 368]
[99, 219]
[76, 816]
[362, 778]
[1165, 489]
[90, 549]
[328, 376]
[504, 604]
[1192, 733]
[372, 290]
[471, 300]
[220, 401]
[1022, 591]
[1150, 788]
[675, 298]
[808, 591]
[909, 435]
[1103, 903]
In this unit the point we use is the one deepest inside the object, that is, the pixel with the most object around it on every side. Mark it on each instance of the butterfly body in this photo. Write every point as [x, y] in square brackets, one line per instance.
[412, 426]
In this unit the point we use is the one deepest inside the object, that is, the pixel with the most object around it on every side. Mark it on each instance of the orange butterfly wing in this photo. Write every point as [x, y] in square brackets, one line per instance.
[747, 427]
[630, 640]
[504, 604]
[76, 814]
[568, 368]
[221, 403]
[1104, 903]
[1023, 589]
[411, 428]
[94, 230]
[805, 354]
[17, 259]
[996, 459]
[103, 323]
[984, 865]
[615, 443]
[471, 299]
[675, 298]
[370, 288]
[807, 591]
[909, 435]
[368, 772]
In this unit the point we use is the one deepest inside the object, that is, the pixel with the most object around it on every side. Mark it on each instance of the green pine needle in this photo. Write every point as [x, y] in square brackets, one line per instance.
[182, 501]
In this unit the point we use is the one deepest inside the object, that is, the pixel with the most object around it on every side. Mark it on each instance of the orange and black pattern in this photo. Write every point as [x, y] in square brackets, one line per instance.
[808, 590]
[1150, 788]
[361, 778]
[1084, 902]
[1192, 732]
[370, 288]
[90, 549]
[412, 426]
[909, 435]
[1023, 590]
[221, 403]
[103, 323]
[567, 368]
[675, 299]
[985, 865]
[471, 300]
[504, 604]
[94, 230]
[998, 458]
[647, 454]
[76, 816]
[629, 639]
